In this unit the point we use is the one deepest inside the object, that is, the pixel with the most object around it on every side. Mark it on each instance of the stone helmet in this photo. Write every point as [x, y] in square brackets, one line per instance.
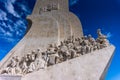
[89, 36]
[28, 54]
[98, 30]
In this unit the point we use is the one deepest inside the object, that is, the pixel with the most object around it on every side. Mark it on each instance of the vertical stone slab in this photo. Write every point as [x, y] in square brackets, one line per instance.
[44, 31]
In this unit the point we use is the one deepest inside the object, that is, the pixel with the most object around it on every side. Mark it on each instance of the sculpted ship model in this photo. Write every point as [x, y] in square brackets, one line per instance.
[54, 48]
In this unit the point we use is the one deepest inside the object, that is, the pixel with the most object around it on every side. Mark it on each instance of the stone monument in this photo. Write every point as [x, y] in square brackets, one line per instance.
[54, 48]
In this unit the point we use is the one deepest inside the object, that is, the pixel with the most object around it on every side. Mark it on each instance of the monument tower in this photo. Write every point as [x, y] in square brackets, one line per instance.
[52, 22]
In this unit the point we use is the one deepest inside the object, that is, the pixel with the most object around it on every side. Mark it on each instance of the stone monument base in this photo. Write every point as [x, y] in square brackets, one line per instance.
[92, 66]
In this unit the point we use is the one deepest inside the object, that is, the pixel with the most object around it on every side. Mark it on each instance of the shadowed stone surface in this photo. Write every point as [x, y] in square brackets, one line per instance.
[87, 67]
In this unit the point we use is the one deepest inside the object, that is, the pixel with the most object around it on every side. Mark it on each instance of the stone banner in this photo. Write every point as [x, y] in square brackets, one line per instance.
[9, 77]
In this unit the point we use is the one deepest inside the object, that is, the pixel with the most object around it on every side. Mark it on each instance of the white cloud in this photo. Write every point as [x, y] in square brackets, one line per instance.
[72, 2]
[12, 1]
[9, 39]
[109, 35]
[10, 8]
[5, 33]
[19, 22]
[3, 15]
[11, 30]
[8, 30]
[3, 24]
[12, 23]
[9, 34]
[24, 8]
[2, 30]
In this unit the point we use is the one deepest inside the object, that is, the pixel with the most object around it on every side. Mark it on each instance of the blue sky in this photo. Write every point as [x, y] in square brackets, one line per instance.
[104, 14]
[13, 22]
[94, 14]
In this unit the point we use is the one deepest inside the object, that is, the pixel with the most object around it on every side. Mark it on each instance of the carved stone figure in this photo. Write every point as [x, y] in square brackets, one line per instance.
[91, 40]
[45, 57]
[88, 48]
[38, 53]
[64, 48]
[24, 67]
[83, 50]
[72, 53]
[102, 39]
[70, 46]
[52, 60]
[33, 55]
[6, 70]
[12, 62]
[40, 64]
[31, 67]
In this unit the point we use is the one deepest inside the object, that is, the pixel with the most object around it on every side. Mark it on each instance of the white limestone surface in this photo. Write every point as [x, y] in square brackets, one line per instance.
[91, 66]
[8, 77]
